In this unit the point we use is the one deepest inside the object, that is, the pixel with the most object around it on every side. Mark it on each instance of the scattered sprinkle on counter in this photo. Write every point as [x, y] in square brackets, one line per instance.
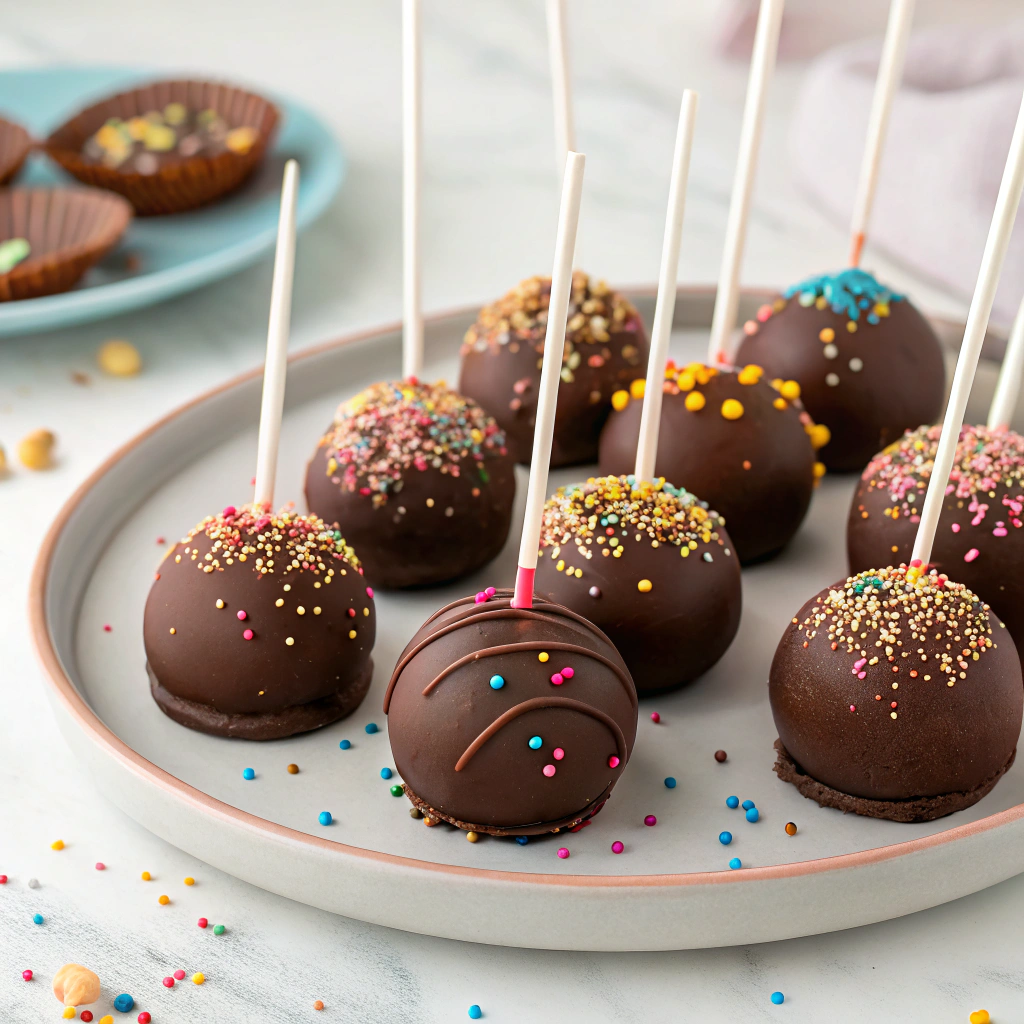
[248, 774]
[57, 844]
[371, 728]
[37, 918]
[198, 978]
[747, 804]
[345, 744]
[396, 790]
[735, 863]
[168, 982]
[655, 717]
[617, 847]
[472, 837]
[325, 818]
[670, 782]
[752, 814]
[202, 922]
[189, 880]
[650, 820]
[119, 358]
[318, 1004]
[124, 1003]
[26, 975]
[732, 802]
[721, 756]
[146, 876]
[386, 773]
[293, 769]
[35, 450]
[179, 975]
[980, 1017]
[790, 828]
[100, 866]
[778, 998]
[219, 929]
[475, 1013]
[144, 1017]
[164, 900]
[563, 852]
[725, 838]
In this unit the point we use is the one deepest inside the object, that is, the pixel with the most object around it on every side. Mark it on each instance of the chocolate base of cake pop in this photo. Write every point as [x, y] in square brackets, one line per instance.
[265, 725]
[541, 828]
[925, 808]
[756, 470]
[867, 385]
[437, 528]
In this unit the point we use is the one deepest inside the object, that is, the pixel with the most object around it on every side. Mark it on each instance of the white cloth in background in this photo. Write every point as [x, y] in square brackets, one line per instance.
[948, 139]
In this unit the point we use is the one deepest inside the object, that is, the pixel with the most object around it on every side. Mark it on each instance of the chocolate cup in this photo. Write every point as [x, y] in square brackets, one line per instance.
[15, 144]
[69, 230]
[177, 185]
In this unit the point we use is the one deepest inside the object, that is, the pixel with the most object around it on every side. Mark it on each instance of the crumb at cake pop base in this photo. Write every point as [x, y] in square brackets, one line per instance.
[191, 788]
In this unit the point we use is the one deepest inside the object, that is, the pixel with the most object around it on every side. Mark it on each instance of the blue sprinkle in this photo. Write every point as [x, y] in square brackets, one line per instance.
[37, 918]
[778, 998]
[385, 773]
[536, 743]
[497, 682]
[522, 840]
[345, 744]
[847, 292]
[732, 801]
[325, 818]
[747, 804]
[735, 863]
[371, 728]
[475, 1012]
[725, 838]
[248, 773]
[873, 318]
[670, 783]
[123, 1003]
[752, 814]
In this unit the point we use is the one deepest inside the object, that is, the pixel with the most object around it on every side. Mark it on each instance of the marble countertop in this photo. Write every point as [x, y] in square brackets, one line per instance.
[490, 198]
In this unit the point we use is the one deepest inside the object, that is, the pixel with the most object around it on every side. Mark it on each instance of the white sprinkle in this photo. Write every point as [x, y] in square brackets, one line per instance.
[830, 351]
[832, 379]
[856, 364]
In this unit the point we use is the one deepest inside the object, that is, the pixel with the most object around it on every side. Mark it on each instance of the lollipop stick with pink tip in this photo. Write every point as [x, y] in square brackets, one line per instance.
[1007, 203]
[554, 340]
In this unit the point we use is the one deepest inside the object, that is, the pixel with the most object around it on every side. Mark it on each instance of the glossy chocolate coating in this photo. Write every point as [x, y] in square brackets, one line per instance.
[757, 471]
[501, 364]
[941, 748]
[462, 746]
[208, 676]
[669, 632]
[885, 378]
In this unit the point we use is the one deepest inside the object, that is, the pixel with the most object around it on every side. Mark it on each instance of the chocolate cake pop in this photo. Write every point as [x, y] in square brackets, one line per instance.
[605, 347]
[744, 445]
[868, 363]
[896, 695]
[259, 626]
[511, 721]
[419, 479]
[670, 603]
[979, 537]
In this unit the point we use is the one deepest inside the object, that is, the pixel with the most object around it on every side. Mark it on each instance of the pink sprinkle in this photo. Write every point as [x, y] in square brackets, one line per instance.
[852, 707]
[3, 879]
[480, 597]
[230, 510]
[750, 327]
[617, 847]
[179, 974]
[558, 679]
[27, 975]
[956, 527]
[351, 613]
[369, 591]
[161, 540]
[490, 591]
[365, 491]
[549, 770]
[764, 312]
[613, 762]
[971, 555]
[568, 672]
[916, 563]
[563, 852]
[999, 531]
[861, 675]
[202, 922]
[168, 983]
[655, 717]
[650, 820]
[247, 634]
[558, 753]
[241, 616]
[106, 627]
[859, 664]
[100, 866]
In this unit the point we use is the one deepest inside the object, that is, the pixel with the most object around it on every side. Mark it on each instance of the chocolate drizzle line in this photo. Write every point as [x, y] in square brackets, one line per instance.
[501, 608]
[533, 704]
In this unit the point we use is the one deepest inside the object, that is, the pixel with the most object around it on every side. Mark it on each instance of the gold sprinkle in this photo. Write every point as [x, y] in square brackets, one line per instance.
[290, 641]
[300, 610]
[220, 603]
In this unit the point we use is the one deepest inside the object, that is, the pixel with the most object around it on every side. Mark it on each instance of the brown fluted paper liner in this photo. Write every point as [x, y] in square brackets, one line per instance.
[68, 229]
[15, 144]
[181, 184]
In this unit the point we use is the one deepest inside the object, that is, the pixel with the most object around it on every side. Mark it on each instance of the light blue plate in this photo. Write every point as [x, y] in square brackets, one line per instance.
[176, 253]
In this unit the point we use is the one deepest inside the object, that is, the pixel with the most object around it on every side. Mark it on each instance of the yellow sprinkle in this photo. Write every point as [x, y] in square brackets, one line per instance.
[279, 603]
[366, 611]
[820, 302]
[175, 113]
[472, 837]
[790, 390]
[686, 380]
[136, 128]
[159, 137]
[57, 844]
[750, 374]
[892, 714]
[106, 1019]
[620, 399]
[69, 1012]
[146, 876]
[820, 435]
[301, 610]
[819, 470]
[826, 334]
[241, 140]
[190, 880]
[732, 409]
[644, 586]
[119, 358]
[164, 900]
[637, 388]
[351, 634]
[35, 450]
[290, 641]
[172, 631]
[317, 610]
[980, 1017]
[543, 656]
[198, 978]
[851, 326]
[780, 403]
[430, 502]
[695, 401]
[220, 603]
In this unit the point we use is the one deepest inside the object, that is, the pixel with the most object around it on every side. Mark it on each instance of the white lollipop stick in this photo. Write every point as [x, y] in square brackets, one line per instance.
[762, 64]
[412, 308]
[974, 335]
[558, 57]
[890, 70]
[276, 366]
[550, 374]
[650, 416]
[1005, 399]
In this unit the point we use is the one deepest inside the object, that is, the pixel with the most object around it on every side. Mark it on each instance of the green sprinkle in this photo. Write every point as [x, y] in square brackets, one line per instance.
[12, 252]
[396, 790]
[218, 929]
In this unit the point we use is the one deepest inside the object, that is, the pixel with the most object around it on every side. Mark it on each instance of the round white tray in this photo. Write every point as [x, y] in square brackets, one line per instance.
[672, 887]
